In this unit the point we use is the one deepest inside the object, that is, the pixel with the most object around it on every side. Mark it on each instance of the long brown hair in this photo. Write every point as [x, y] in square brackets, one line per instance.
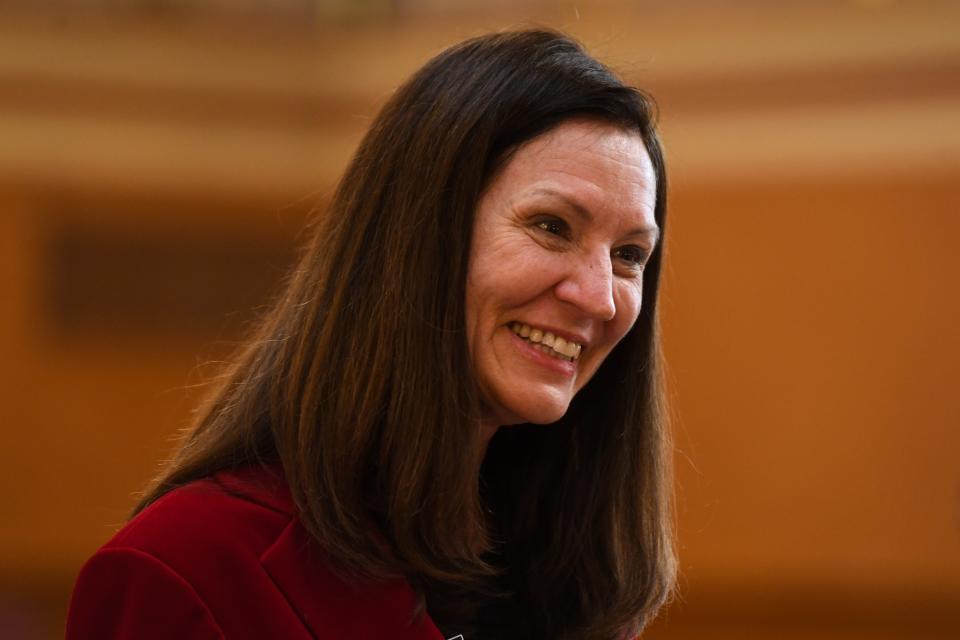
[359, 381]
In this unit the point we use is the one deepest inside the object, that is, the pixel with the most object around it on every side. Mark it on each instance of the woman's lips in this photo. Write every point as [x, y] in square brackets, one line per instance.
[536, 353]
[565, 347]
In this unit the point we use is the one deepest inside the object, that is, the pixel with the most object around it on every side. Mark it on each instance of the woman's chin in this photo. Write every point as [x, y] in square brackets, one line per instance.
[544, 412]
[546, 417]
[506, 406]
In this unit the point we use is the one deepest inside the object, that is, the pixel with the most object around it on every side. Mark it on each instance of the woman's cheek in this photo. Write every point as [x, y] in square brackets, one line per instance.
[629, 302]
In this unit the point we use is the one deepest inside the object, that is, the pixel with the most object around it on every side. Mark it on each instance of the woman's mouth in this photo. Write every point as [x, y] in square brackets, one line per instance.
[545, 341]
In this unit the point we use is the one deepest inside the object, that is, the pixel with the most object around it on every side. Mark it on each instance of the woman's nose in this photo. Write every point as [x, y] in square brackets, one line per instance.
[589, 287]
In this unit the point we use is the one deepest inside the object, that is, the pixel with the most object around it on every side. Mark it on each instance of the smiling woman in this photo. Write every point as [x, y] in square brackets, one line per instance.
[450, 422]
[560, 240]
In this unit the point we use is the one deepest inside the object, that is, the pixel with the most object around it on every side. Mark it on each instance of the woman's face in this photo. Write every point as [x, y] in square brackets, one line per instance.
[560, 240]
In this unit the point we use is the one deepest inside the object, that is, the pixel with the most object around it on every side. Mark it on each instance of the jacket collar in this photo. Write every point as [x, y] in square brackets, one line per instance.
[264, 485]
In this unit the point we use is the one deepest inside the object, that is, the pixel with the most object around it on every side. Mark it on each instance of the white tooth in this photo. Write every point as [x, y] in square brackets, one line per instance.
[525, 331]
[560, 346]
[536, 335]
[515, 327]
[576, 352]
[548, 339]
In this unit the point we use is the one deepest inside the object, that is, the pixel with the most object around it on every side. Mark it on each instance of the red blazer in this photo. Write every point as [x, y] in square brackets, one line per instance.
[227, 557]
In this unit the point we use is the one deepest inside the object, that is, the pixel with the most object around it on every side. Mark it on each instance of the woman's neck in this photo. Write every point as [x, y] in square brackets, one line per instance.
[487, 430]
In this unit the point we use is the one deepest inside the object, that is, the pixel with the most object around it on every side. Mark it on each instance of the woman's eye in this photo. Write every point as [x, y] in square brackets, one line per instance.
[633, 255]
[554, 226]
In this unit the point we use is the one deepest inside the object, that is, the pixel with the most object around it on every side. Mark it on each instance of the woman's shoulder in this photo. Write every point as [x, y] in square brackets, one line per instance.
[227, 556]
[192, 565]
[234, 512]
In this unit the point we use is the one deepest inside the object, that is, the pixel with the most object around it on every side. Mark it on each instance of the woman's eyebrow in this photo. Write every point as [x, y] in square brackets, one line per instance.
[587, 216]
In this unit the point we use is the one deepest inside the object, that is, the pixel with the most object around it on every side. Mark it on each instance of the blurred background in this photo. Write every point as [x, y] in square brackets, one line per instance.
[158, 159]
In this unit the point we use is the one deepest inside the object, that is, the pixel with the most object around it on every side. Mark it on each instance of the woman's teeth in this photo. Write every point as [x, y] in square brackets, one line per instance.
[547, 342]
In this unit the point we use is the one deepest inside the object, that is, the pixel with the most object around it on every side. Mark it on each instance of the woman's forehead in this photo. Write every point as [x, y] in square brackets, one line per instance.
[588, 166]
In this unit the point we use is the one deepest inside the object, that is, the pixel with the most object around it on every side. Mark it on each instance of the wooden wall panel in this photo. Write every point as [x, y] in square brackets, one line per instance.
[811, 332]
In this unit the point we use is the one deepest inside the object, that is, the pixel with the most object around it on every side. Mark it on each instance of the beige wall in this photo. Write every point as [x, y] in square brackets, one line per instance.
[154, 173]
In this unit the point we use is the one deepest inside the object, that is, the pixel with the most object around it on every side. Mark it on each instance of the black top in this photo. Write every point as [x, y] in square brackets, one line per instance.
[497, 619]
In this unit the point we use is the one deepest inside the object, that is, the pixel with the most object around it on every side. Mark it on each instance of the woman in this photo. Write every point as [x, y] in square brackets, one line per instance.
[451, 421]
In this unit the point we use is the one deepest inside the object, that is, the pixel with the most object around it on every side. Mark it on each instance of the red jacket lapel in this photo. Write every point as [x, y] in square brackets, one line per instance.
[329, 607]
[333, 608]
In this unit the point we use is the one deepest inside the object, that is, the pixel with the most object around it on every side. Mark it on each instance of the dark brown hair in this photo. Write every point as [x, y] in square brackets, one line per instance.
[359, 381]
